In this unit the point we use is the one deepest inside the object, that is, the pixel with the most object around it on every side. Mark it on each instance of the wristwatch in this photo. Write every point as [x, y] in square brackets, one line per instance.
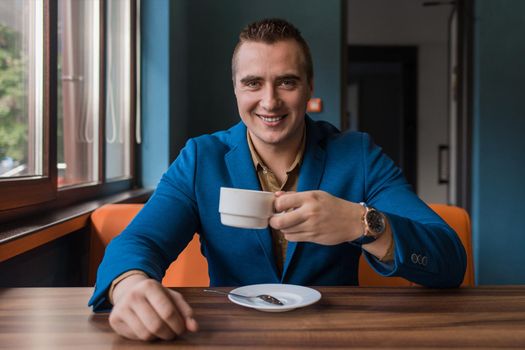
[374, 223]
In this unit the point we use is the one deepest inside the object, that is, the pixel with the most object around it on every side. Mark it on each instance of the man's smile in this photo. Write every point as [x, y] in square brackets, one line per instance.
[271, 118]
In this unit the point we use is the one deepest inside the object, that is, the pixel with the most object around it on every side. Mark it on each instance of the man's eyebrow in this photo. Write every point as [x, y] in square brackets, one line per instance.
[289, 76]
[249, 78]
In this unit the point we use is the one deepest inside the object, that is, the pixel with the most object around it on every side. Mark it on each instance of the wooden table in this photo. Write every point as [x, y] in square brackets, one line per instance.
[345, 317]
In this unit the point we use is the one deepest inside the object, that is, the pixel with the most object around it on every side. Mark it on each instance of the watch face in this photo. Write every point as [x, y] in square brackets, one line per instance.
[375, 221]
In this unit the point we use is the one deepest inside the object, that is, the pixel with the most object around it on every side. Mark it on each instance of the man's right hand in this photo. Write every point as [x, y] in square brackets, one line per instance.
[145, 310]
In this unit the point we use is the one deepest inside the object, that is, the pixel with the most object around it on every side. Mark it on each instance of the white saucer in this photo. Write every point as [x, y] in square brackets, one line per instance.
[292, 296]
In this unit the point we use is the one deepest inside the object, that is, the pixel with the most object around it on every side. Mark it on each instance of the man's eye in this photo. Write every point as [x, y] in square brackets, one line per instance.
[252, 84]
[288, 83]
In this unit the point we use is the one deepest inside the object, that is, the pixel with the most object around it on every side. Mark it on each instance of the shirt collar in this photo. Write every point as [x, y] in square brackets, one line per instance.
[259, 164]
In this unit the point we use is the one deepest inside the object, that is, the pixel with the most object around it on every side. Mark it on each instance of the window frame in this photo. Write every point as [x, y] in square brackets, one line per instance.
[29, 195]
[31, 190]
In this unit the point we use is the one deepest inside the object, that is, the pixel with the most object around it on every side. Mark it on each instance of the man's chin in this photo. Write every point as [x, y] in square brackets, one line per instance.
[274, 141]
[269, 139]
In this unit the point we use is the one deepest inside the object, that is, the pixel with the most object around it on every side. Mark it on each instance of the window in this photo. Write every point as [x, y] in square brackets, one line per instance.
[67, 106]
[21, 84]
[78, 87]
[118, 89]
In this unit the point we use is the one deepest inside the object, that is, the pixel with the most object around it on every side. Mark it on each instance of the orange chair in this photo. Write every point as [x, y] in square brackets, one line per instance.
[459, 220]
[109, 220]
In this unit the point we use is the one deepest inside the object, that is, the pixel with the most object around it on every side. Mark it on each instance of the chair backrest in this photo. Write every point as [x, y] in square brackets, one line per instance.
[189, 270]
[459, 220]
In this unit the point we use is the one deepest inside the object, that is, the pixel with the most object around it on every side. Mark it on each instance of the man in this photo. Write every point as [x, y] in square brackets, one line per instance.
[342, 197]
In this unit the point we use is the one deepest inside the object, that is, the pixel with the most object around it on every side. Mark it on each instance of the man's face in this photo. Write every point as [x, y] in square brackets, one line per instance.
[272, 90]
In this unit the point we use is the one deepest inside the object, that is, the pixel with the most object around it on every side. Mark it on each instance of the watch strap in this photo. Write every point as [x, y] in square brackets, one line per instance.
[364, 238]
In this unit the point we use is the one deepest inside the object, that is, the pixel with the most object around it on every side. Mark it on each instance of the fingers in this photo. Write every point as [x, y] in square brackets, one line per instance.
[297, 208]
[149, 311]
[164, 320]
[300, 237]
[317, 217]
[156, 326]
[287, 220]
[192, 325]
[185, 310]
[285, 201]
[126, 323]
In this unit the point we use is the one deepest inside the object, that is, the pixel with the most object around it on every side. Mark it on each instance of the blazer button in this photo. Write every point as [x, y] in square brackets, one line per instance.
[414, 258]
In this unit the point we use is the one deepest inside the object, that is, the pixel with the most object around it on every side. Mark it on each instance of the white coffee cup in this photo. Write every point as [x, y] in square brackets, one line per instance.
[245, 208]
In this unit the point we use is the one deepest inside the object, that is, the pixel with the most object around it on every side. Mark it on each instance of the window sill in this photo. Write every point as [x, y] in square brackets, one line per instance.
[23, 235]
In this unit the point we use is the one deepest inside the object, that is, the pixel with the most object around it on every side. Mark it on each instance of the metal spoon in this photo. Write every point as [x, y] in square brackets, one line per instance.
[264, 297]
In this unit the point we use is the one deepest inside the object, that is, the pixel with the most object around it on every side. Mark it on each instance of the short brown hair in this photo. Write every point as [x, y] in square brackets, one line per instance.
[272, 30]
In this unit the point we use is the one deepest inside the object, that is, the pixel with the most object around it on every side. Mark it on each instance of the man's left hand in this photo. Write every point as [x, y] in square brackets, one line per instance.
[317, 216]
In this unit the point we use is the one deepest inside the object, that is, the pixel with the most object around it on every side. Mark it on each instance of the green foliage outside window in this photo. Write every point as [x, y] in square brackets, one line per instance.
[13, 97]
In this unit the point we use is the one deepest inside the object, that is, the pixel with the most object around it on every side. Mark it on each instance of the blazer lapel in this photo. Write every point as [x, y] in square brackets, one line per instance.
[242, 173]
[312, 170]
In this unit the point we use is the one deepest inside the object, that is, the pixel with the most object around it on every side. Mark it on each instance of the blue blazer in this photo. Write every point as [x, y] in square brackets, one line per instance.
[347, 165]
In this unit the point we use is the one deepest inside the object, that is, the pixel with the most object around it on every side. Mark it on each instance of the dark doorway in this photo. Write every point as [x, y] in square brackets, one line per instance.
[382, 94]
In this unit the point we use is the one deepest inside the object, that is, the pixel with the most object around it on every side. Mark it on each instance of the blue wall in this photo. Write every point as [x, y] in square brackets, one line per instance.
[155, 90]
[499, 142]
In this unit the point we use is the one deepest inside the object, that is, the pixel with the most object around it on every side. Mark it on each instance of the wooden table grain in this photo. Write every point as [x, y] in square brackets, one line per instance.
[345, 317]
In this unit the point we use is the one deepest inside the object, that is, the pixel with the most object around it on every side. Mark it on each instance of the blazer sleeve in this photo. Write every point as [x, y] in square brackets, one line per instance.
[159, 232]
[427, 250]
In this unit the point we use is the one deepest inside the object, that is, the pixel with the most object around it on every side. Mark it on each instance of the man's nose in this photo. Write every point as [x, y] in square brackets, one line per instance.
[270, 99]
